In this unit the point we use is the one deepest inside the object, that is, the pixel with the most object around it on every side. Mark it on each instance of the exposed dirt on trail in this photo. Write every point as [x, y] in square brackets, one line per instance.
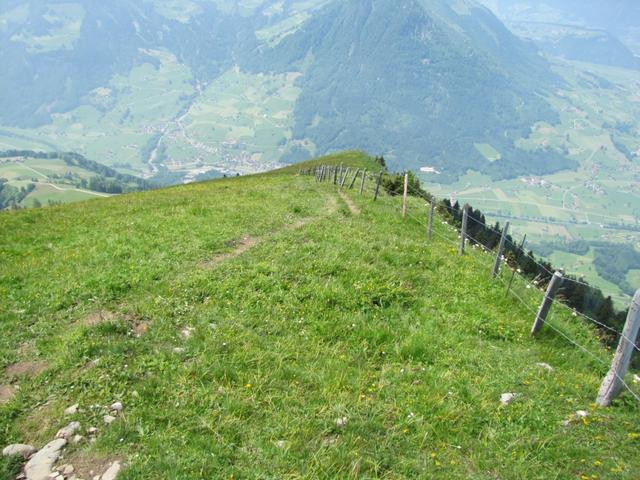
[88, 465]
[25, 369]
[248, 242]
[98, 318]
[353, 208]
[7, 392]
[241, 246]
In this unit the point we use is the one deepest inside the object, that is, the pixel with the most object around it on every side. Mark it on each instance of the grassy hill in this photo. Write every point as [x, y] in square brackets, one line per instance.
[272, 327]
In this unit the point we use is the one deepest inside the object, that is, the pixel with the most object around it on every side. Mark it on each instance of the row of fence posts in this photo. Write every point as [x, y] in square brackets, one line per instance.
[613, 381]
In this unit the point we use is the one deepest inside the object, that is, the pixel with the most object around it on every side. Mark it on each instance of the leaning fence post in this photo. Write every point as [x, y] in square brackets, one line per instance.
[364, 178]
[344, 177]
[432, 208]
[353, 181]
[463, 230]
[503, 239]
[335, 175]
[405, 194]
[613, 382]
[375, 196]
[552, 289]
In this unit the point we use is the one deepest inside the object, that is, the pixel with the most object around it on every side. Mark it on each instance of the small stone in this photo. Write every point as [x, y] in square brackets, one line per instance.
[68, 470]
[18, 449]
[178, 350]
[92, 431]
[341, 422]
[582, 414]
[96, 477]
[281, 444]
[77, 439]
[109, 419]
[117, 407]
[186, 332]
[545, 366]
[72, 410]
[507, 398]
[112, 471]
[69, 431]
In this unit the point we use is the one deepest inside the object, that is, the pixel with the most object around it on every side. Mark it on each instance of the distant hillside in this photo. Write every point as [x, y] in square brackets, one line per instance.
[620, 18]
[29, 179]
[425, 81]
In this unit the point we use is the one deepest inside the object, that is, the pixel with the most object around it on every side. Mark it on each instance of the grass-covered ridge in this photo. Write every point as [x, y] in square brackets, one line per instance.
[325, 343]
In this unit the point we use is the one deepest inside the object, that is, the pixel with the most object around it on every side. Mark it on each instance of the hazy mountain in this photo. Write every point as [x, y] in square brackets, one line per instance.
[620, 18]
[422, 79]
[180, 87]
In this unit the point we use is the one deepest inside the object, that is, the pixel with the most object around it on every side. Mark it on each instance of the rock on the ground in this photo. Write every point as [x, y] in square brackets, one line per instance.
[77, 439]
[545, 366]
[186, 332]
[69, 431]
[109, 419]
[112, 471]
[41, 464]
[92, 430]
[18, 449]
[582, 414]
[72, 410]
[68, 470]
[117, 407]
[507, 398]
[341, 422]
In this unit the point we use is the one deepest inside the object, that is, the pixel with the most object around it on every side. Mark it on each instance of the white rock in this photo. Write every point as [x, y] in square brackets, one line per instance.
[77, 439]
[178, 350]
[40, 465]
[545, 366]
[341, 422]
[109, 419]
[636, 379]
[281, 444]
[92, 431]
[582, 414]
[507, 398]
[18, 449]
[68, 470]
[112, 471]
[117, 407]
[186, 332]
[69, 431]
[72, 410]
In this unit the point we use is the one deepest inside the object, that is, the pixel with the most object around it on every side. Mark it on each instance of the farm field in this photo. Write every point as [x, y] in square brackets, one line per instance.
[598, 202]
[269, 326]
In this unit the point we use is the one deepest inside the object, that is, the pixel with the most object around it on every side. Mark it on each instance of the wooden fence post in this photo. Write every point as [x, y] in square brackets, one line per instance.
[375, 196]
[353, 181]
[552, 289]
[432, 207]
[463, 230]
[344, 177]
[364, 178]
[335, 175]
[503, 239]
[613, 382]
[405, 195]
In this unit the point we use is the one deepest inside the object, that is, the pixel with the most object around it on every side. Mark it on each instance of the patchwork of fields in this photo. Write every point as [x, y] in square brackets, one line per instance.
[600, 201]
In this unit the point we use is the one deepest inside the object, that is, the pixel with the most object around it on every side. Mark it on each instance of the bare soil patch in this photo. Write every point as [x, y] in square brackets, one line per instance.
[97, 318]
[7, 392]
[353, 208]
[88, 465]
[240, 246]
[25, 369]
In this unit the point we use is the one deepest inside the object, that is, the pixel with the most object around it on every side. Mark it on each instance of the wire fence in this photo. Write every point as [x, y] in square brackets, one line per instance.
[372, 184]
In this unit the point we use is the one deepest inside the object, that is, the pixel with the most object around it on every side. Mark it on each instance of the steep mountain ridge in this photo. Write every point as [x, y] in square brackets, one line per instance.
[420, 80]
